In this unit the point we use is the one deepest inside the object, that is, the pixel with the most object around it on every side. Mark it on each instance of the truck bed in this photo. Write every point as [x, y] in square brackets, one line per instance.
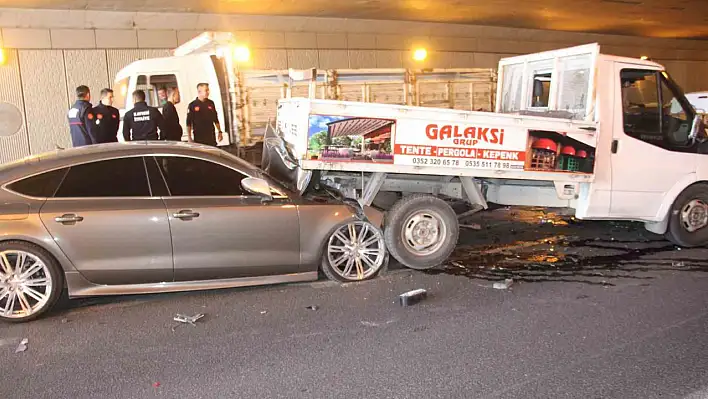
[364, 137]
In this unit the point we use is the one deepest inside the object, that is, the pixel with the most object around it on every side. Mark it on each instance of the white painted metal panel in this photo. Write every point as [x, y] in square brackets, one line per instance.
[15, 146]
[44, 88]
[118, 59]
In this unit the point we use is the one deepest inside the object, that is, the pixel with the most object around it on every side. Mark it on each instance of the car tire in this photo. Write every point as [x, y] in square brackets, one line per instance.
[688, 211]
[34, 256]
[339, 259]
[434, 217]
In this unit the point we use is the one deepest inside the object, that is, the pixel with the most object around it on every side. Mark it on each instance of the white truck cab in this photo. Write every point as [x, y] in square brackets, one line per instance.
[613, 138]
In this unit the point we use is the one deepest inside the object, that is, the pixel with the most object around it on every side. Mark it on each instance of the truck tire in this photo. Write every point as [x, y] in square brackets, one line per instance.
[421, 231]
[688, 218]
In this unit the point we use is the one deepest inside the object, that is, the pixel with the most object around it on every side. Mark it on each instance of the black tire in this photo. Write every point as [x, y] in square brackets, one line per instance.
[676, 232]
[55, 273]
[395, 224]
[328, 270]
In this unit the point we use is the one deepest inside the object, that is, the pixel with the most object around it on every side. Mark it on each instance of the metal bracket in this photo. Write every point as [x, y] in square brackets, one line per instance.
[474, 194]
[372, 188]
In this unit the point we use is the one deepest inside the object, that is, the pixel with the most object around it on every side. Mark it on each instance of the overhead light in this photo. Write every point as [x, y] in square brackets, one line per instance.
[644, 57]
[3, 58]
[241, 54]
[420, 54]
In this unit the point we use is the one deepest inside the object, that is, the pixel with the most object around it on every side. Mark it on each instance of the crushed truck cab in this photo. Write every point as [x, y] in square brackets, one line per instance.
[610, 137]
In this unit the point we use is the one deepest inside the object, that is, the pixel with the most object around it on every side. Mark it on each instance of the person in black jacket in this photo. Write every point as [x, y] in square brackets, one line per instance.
[173, 130]
[82, 118]
[202, 117]
[142, 121]
[107, 118]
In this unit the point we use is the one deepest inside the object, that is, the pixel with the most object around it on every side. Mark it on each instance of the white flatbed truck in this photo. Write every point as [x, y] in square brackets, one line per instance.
[573, 128]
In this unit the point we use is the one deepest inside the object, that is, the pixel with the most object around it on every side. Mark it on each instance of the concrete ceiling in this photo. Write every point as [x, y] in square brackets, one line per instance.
[651, 18]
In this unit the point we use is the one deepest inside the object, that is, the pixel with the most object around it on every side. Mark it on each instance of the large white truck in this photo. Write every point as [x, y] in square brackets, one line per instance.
[612, 138]
[246, 99]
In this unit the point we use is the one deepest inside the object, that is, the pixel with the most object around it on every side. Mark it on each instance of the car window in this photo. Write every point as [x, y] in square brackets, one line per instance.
[123, 177]
[157, 182]
[191, 177]
[43, 185]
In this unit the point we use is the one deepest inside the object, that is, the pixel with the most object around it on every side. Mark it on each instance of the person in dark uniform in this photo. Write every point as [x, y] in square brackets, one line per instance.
[141, 122]
[202, 117]
[82, 118]
[173, 130]
[107, 118]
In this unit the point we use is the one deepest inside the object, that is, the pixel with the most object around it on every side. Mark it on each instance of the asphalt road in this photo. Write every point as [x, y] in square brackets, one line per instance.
[596, 310]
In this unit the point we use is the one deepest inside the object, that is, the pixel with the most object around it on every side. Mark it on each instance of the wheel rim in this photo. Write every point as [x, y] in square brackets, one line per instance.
[356, 251]
[424, 232]
[25, 284]
[694, 216]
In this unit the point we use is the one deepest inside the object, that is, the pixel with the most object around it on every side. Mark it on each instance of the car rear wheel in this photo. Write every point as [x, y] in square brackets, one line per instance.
[355, 251]
[688, 223]
[30, 281]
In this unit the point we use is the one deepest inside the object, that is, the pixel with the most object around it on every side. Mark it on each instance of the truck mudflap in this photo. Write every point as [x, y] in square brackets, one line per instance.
[279, 163]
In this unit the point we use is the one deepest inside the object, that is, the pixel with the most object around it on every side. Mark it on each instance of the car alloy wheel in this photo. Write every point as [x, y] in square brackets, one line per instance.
[356, 251]
[25, 284]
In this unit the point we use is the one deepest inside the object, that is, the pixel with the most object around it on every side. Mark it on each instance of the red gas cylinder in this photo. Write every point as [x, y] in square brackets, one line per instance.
[568, 150]
[543, 154]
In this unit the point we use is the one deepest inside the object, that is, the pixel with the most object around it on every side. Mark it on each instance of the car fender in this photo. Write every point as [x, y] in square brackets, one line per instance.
[32, 230]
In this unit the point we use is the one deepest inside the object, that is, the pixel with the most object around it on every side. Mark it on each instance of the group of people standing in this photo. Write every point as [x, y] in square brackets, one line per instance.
[99, 124]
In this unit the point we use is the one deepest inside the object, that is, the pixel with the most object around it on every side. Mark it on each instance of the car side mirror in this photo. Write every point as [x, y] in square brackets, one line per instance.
[257, 187]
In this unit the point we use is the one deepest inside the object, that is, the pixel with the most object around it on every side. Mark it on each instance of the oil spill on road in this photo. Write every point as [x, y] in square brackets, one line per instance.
[562, 249]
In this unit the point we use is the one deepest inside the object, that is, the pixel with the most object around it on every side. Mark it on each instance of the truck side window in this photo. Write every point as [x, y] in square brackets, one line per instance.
[675, 123]
[640, 106]
[541, 90]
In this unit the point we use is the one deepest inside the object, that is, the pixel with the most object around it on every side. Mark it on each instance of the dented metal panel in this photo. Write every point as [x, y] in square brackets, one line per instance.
[15, 145]
[86, 67]
[44, 87]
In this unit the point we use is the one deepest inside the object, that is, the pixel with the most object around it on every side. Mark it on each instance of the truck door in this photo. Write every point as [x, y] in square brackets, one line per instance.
[650, 150]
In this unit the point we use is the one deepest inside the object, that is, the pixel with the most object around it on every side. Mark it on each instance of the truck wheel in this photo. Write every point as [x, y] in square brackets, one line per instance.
[421, 231]
[688, 223]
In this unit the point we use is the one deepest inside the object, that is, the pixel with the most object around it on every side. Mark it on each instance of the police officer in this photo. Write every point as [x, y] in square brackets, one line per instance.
[202, 117]
[173, 130]
[107, 118]
[142, 121]
[82, 118]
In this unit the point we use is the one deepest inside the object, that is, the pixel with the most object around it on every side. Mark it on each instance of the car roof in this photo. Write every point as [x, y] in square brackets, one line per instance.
[65, 157]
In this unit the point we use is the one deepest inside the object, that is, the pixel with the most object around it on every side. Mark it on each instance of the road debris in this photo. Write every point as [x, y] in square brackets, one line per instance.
[312, 307]
[264, 311]
[678, 264]
[410, 298]
[503, 285]
[156, 385]
[22, 346]
[188, 319]
[471, 226]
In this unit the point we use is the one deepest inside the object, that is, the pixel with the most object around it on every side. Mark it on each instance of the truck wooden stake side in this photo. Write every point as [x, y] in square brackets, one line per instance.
[609, 137]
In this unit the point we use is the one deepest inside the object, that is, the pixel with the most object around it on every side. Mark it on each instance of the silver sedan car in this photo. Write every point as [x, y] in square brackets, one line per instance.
[138, 218]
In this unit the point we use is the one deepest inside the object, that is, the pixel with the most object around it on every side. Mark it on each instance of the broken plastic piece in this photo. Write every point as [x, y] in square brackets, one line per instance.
[22, 346]
[503, 285]
[312, 307]
[471, 226]
[188, 319]
[410, 298]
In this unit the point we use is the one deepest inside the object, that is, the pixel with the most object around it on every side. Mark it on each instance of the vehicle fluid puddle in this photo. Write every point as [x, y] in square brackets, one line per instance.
[598, 253]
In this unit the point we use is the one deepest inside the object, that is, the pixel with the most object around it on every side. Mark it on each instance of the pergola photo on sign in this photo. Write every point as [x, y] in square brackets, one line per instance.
[355, 139]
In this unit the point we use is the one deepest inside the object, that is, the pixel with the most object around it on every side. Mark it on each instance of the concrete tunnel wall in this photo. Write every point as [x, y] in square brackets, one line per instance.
[50, 52]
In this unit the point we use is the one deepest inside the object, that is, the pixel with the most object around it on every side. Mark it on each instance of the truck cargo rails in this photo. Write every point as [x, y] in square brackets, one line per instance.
[573, 128]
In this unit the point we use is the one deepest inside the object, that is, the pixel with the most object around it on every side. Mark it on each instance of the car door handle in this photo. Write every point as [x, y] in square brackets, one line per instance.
[68, 218]
[187, 214]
